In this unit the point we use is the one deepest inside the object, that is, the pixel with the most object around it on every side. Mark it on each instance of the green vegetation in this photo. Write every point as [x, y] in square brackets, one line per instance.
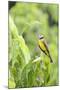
[28, 66]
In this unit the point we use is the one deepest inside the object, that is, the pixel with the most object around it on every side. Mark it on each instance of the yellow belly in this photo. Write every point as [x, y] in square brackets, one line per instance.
[42, 46]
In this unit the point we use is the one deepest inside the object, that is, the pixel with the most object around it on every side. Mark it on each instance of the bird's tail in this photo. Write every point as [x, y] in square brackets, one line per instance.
[50, 59]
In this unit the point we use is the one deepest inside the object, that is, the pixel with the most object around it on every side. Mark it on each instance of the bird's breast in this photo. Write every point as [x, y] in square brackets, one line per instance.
[41, 45]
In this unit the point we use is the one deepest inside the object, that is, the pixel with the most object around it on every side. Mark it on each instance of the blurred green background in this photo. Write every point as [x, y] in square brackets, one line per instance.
[28, 66]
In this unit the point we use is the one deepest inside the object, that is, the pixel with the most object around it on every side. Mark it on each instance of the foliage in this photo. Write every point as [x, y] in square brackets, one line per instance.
[28, 67]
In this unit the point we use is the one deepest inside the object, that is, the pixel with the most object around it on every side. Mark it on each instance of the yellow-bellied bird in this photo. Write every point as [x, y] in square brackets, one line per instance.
[43, 46]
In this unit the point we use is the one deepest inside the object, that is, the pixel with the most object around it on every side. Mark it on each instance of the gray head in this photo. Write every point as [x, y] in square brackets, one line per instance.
[41, 36]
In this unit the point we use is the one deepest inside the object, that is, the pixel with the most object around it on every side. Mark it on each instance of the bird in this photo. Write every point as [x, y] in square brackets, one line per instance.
[43, 46]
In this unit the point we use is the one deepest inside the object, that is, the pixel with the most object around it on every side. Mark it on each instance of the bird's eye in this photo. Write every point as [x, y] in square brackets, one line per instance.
[41, 37]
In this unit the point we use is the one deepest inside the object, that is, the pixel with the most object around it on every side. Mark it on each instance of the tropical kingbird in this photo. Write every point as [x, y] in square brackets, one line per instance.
[43, 46]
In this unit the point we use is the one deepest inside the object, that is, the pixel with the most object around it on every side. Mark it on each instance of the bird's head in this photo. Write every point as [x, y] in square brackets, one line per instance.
[41, 36]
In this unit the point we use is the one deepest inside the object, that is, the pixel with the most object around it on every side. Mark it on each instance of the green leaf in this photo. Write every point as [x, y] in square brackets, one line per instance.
[19, 40]
[12, 84]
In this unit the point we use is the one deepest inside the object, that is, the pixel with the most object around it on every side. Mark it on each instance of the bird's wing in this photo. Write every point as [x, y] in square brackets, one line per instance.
[46, 51]
[43, 50]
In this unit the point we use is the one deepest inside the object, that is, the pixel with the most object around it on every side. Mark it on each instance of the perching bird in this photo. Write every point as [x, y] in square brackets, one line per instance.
[43, 46]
